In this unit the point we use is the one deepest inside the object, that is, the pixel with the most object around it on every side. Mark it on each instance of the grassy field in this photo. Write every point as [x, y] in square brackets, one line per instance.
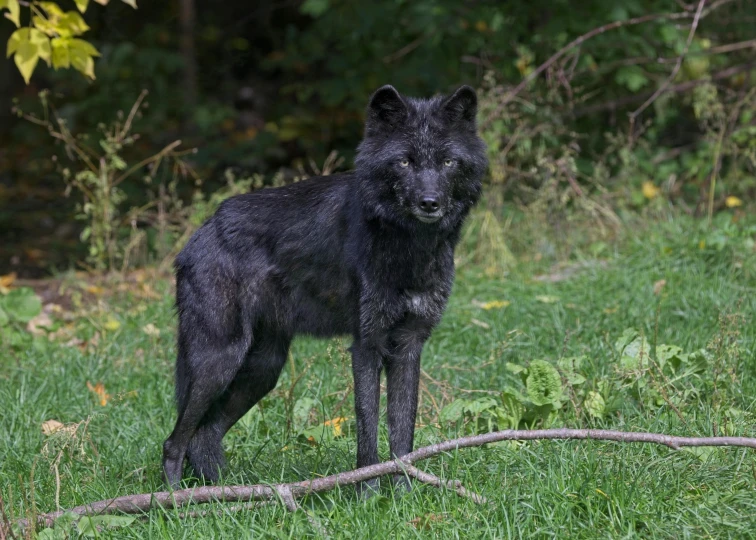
[673, 282]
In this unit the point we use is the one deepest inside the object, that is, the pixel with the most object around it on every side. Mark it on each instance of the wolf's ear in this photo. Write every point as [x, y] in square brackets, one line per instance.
[386, 109]
[462, 105]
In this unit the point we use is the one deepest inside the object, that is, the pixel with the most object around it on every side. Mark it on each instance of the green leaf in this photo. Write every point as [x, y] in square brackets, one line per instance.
[514, 368]
[669, 354]
[4, 319]
[132, 3]
[632, 77]
[87, 525]
[543, 385]
[51, 534]
[22, 304]
[314, 8]
[594, 404]
[636, 354]
[82, 5]
[625, 339]
[14, 10]
[454, 411]
[477, 406]
[301, 412]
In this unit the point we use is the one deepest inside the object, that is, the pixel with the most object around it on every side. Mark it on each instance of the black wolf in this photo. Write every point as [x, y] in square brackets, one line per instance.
[368, 253]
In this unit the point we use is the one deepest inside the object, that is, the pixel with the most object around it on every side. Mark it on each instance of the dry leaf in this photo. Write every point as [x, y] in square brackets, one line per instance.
[37, 323]
[51, 426]
[659, 285]
[151, 330]
[99, 390]
[422, 522]
[6, 281]
[476, 322]
[96, 290]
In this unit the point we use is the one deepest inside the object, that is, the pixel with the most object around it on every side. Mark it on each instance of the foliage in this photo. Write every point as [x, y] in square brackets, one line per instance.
[52, 36]
[646, 376]
[98, 174]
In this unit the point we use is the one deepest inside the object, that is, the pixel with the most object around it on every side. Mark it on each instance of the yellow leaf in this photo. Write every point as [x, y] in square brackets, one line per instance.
[52, 9]
[72, 24]
[102, 2]
[495, 304]
[99, 390]
[650, 190]
[26, 59]
[336, 425]
[132, 3]
[111, 324]
[702, 244]
[82, 5]
[60, 56]
[81, 54]
[6, 281]
[95, 289]
[732, 202]
[51, 426]
[481, 26]
[14, 11]
[547, 299]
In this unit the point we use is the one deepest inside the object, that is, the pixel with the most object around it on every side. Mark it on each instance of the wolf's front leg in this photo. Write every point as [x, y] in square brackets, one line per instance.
[366, 367]
[403, 379]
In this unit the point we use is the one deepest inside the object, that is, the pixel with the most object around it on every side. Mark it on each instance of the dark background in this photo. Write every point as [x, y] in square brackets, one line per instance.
[261, 86]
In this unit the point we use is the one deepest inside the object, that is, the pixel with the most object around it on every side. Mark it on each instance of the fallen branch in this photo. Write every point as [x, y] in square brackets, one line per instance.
[139, 503]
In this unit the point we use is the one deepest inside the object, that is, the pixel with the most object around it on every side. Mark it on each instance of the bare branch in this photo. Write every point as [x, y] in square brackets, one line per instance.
[678, 88]
[140, 503]
[575, 43]
[699, 15]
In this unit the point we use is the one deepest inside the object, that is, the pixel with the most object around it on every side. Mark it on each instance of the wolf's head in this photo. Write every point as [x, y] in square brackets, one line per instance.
[421, 162]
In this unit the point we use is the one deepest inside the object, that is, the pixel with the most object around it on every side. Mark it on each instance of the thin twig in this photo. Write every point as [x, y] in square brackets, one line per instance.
[6, 529]
[668, 81]
[139, 503]
[678, 88]
[157, 157]
[575, 43]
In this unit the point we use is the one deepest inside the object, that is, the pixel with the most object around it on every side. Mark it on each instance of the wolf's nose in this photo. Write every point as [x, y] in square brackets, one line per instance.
[429, 203]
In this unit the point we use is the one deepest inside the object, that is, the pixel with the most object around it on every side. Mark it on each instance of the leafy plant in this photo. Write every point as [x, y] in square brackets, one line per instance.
[52, 36]
[98, 174]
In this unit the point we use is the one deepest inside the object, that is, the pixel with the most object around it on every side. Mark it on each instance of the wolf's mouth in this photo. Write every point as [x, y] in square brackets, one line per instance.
[429, 218]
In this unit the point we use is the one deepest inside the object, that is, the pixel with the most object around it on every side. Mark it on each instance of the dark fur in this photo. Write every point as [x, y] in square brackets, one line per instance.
[351, 253]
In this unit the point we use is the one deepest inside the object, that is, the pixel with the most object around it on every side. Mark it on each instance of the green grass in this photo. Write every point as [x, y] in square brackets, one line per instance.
[585, 489]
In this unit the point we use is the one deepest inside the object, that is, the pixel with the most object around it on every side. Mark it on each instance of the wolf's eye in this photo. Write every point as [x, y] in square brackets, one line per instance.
[404, 163]
[448, 163]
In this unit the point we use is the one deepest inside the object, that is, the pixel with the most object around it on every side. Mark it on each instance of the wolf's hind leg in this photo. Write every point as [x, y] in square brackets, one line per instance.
[256, 378]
